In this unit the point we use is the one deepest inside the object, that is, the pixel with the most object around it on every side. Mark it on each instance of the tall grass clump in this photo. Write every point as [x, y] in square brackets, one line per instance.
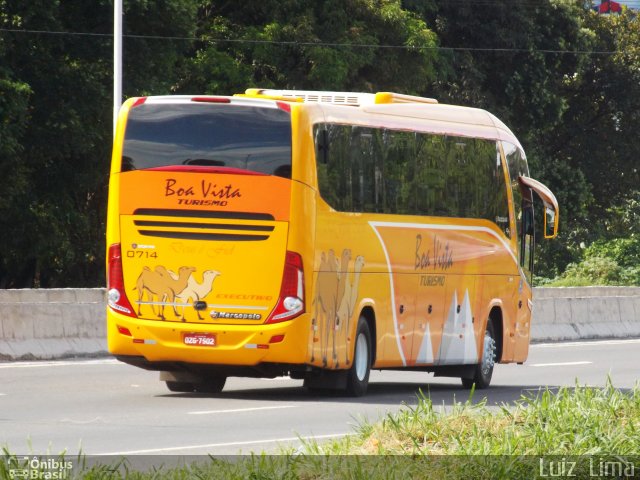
[571, 421]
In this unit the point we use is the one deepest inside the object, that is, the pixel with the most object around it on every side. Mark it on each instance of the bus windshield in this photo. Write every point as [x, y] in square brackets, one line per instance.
[208, 135]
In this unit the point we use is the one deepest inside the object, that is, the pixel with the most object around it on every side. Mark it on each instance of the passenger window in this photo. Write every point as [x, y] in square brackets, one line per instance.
[379, 170]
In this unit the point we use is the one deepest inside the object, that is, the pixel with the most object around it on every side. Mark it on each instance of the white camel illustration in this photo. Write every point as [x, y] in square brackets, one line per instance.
[196, 291]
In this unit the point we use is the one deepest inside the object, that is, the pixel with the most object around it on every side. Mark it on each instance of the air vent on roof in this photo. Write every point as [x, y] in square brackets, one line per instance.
[339, 98]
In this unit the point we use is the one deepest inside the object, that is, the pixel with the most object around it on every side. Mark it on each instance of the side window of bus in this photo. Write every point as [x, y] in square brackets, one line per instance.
[527, 242]
[375, 170]
[331, 145]
[348, 175]
[523, 206]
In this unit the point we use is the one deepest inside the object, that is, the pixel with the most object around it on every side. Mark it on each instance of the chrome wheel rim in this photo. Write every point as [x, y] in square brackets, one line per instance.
[489, 354]
[362, 357]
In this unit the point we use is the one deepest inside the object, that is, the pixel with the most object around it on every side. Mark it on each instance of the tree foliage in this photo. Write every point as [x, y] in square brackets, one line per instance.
[58, 121]
[306, 44]
[566, 80]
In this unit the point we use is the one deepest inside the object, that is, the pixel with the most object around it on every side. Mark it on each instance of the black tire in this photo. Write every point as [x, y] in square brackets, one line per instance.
[484, 370]
[211, 385]
[181, 387]
[358, 375]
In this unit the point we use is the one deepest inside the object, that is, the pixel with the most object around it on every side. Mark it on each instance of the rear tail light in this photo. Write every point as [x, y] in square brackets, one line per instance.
[139, 102]
[286, 106]
[291, 301]
[116, 297]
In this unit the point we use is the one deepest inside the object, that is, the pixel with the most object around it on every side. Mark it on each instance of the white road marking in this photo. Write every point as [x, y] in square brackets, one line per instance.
[113, 361]
[560, 364]
[83, 422]
[228, 444]
[60, 363]
[586, 343]
[236, 410]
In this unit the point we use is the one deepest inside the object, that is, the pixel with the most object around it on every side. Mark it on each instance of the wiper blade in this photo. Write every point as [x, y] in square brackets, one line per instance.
[204, 169]
[205, 162]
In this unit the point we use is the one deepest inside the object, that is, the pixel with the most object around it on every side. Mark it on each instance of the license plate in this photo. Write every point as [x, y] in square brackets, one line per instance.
[200, 339]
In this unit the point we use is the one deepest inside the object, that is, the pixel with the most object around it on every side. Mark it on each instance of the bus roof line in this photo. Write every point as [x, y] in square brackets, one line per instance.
[336, 98]
[233, 100]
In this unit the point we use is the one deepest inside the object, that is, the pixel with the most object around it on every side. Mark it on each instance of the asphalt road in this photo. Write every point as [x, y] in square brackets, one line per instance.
[105, 407]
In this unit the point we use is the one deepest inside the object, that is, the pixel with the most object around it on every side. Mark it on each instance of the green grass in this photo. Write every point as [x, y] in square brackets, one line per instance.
[464, 441]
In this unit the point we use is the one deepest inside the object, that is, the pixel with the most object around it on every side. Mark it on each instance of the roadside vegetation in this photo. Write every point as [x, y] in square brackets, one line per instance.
[466, 440]
[603, 263]
[613, 259]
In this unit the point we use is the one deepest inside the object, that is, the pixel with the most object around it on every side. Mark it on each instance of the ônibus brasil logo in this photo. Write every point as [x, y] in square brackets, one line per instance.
[39, 468]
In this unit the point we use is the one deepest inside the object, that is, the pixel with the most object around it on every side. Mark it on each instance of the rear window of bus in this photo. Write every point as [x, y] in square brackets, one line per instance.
[255, 139]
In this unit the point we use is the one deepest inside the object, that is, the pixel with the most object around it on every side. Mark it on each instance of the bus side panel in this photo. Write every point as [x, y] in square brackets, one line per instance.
[302, 227]
[424, 280]
[450, 257]
[522, 324]
[460, 331]
[498, 291]
[430, 311]
[517, 315]
[348, 270]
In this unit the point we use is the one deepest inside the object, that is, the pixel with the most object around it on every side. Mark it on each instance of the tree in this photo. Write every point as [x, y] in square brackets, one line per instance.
[14, 97]
[599, 132]
[65, 140]
[306, 44]
[566, 80]
[543, 69]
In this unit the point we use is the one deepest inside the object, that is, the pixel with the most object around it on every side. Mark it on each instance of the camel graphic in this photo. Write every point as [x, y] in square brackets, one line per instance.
[345, 258]
[348, 301]
[162, 286]
[326, 299]
[335, 301]
[196, 291]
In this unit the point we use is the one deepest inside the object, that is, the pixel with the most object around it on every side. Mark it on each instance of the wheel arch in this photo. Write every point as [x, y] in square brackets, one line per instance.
[369, 315]
[497, 321]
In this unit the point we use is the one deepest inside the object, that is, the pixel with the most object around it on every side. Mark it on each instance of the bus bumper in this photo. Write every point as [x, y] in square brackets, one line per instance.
[214, 344]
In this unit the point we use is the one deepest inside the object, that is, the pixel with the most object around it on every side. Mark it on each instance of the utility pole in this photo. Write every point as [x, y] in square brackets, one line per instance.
[117, 60]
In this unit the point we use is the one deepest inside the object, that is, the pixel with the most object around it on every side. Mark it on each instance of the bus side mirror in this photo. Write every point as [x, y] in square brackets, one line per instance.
[550, 222]
[551, 215]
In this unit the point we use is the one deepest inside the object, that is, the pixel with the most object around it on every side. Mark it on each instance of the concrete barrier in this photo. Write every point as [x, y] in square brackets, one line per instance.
[52, 323]
[579, 313]
[59, 323]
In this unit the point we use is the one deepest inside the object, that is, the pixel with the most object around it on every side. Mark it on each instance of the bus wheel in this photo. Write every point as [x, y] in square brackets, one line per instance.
[182, 387]
[211, 385]
[358, 375]
[484, 370]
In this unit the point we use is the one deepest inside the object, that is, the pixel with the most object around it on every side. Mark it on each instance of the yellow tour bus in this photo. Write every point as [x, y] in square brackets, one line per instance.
[318, 235]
